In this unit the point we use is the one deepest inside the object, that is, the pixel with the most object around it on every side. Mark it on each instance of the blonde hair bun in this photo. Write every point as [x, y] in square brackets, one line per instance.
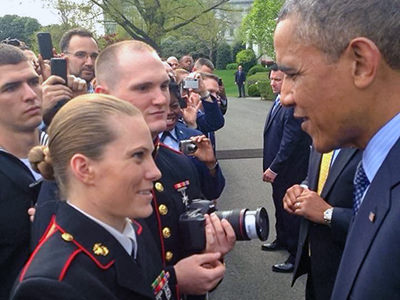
[39, 158]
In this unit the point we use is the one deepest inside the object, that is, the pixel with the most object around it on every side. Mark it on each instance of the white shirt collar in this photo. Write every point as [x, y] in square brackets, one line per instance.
[127, 238]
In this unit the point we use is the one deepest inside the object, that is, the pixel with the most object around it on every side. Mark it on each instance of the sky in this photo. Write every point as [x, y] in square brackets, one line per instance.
[29, 8]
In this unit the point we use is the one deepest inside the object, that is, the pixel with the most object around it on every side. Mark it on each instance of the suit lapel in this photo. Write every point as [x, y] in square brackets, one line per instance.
[369, 219]
[272, 115]
[343, 158]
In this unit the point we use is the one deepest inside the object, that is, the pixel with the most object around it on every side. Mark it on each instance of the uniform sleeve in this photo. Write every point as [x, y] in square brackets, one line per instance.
[44, 289]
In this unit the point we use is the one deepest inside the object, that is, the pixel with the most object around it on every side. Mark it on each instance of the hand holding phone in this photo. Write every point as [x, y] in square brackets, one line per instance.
[45, 45]
[59, 68]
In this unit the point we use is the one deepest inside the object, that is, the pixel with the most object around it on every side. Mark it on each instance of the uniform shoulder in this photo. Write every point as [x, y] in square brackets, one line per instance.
[54, 255]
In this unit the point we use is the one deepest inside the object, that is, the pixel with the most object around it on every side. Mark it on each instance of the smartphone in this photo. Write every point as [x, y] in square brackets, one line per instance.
[45, 45]
[187, 147]
[59, 68]
[190, 83]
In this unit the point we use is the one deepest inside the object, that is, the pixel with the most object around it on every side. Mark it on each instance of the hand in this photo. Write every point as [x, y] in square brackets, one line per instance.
[290, 198]
[197, 274]
[77, 85]
[189, 113]
[54, 90]
[311, 206]
[204, 152]
[269, 176]
[220, 235]
[31, 213]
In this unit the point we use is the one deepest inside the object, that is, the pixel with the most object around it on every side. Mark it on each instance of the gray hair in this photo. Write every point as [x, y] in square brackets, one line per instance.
[330, 25]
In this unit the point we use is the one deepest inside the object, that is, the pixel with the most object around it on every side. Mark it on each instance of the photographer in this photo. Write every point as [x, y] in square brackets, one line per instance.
[203, 96]
[211, 178]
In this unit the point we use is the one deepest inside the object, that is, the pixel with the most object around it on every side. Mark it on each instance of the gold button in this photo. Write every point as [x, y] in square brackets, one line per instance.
[159, 187]
[163, 209]
[168, 255]
[67, 237]
[100, 249]
[166, 232]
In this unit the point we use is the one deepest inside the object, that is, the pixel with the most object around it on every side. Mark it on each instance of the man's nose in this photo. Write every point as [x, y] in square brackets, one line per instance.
[287, 98]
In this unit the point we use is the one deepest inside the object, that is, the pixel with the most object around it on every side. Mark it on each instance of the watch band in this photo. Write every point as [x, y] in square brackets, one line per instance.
[328, 216]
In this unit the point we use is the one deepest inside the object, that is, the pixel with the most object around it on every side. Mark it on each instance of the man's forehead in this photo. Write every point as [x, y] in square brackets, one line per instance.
[78, 41]
[17, 72]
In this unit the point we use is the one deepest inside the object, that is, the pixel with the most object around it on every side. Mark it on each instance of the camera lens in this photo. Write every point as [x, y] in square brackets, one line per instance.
[247, 224]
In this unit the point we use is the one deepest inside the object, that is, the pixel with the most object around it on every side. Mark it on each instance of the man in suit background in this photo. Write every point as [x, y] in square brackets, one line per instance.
[240, 80]
[356, 104]
[285, 161]
[325, 201]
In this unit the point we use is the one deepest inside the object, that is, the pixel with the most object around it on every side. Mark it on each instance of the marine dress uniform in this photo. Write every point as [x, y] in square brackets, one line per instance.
[178, 185]
[79, 259]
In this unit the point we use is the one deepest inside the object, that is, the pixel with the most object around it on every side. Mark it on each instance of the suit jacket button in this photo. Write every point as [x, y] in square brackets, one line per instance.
[166, 232]
[67, 237]
[163, 209]
[168, 255]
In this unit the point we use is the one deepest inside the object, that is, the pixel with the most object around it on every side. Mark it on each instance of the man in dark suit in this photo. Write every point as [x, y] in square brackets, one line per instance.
[325, 201]
[240, 80]
[20, 115]
[286, 152]
[356, 104]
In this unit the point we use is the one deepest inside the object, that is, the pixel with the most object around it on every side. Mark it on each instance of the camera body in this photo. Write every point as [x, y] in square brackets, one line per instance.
[246, 224]
[187, 147]
[190, 83]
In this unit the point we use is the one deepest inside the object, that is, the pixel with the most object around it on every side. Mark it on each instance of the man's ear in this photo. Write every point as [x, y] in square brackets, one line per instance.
[82, 169]
[366, 58]
[101, 89]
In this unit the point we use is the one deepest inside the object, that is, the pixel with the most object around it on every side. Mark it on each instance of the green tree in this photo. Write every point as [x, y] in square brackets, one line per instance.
[152, 20]
[224, 56]
[246, 58]
[259, 25]
[22, 28]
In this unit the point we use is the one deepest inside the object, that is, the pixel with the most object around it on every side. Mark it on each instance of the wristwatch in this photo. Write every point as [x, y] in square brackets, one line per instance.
[328, 216]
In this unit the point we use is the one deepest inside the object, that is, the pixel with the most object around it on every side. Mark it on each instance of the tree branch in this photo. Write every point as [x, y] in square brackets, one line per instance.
[177, 26]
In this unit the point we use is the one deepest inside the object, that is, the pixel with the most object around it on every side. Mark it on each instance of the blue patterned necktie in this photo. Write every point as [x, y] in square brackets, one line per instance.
[361, 183]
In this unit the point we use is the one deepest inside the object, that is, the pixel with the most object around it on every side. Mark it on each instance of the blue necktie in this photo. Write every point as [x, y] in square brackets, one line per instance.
[361, 183]
[276, 104]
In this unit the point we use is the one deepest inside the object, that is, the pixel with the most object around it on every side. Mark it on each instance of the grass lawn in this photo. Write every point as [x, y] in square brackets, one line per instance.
[228, 77]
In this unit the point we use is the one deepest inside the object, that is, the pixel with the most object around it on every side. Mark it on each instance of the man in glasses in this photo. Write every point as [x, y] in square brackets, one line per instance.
[81, 49]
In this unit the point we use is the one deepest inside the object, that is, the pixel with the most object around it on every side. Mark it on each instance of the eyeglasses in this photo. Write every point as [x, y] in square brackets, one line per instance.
[84, 55]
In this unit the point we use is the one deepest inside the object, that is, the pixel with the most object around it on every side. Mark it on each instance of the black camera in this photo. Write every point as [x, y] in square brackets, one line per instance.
[247, 224]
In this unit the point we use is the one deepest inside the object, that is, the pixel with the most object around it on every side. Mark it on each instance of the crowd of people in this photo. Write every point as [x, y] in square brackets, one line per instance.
[94, 178]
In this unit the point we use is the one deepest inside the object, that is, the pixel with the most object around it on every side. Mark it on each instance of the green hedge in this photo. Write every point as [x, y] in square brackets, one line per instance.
[232, 66]
[253, 90]
[259, 86]
[246, 58]
[257, 69]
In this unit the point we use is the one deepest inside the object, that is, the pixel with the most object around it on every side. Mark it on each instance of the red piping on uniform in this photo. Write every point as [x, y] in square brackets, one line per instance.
[159, 227]
[43, 240]
[140, 228]
[172, 149]
[66, 266]
[48, 228]
[104, 267]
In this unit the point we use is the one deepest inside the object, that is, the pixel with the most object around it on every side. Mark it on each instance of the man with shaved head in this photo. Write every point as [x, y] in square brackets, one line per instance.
[133, 71]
